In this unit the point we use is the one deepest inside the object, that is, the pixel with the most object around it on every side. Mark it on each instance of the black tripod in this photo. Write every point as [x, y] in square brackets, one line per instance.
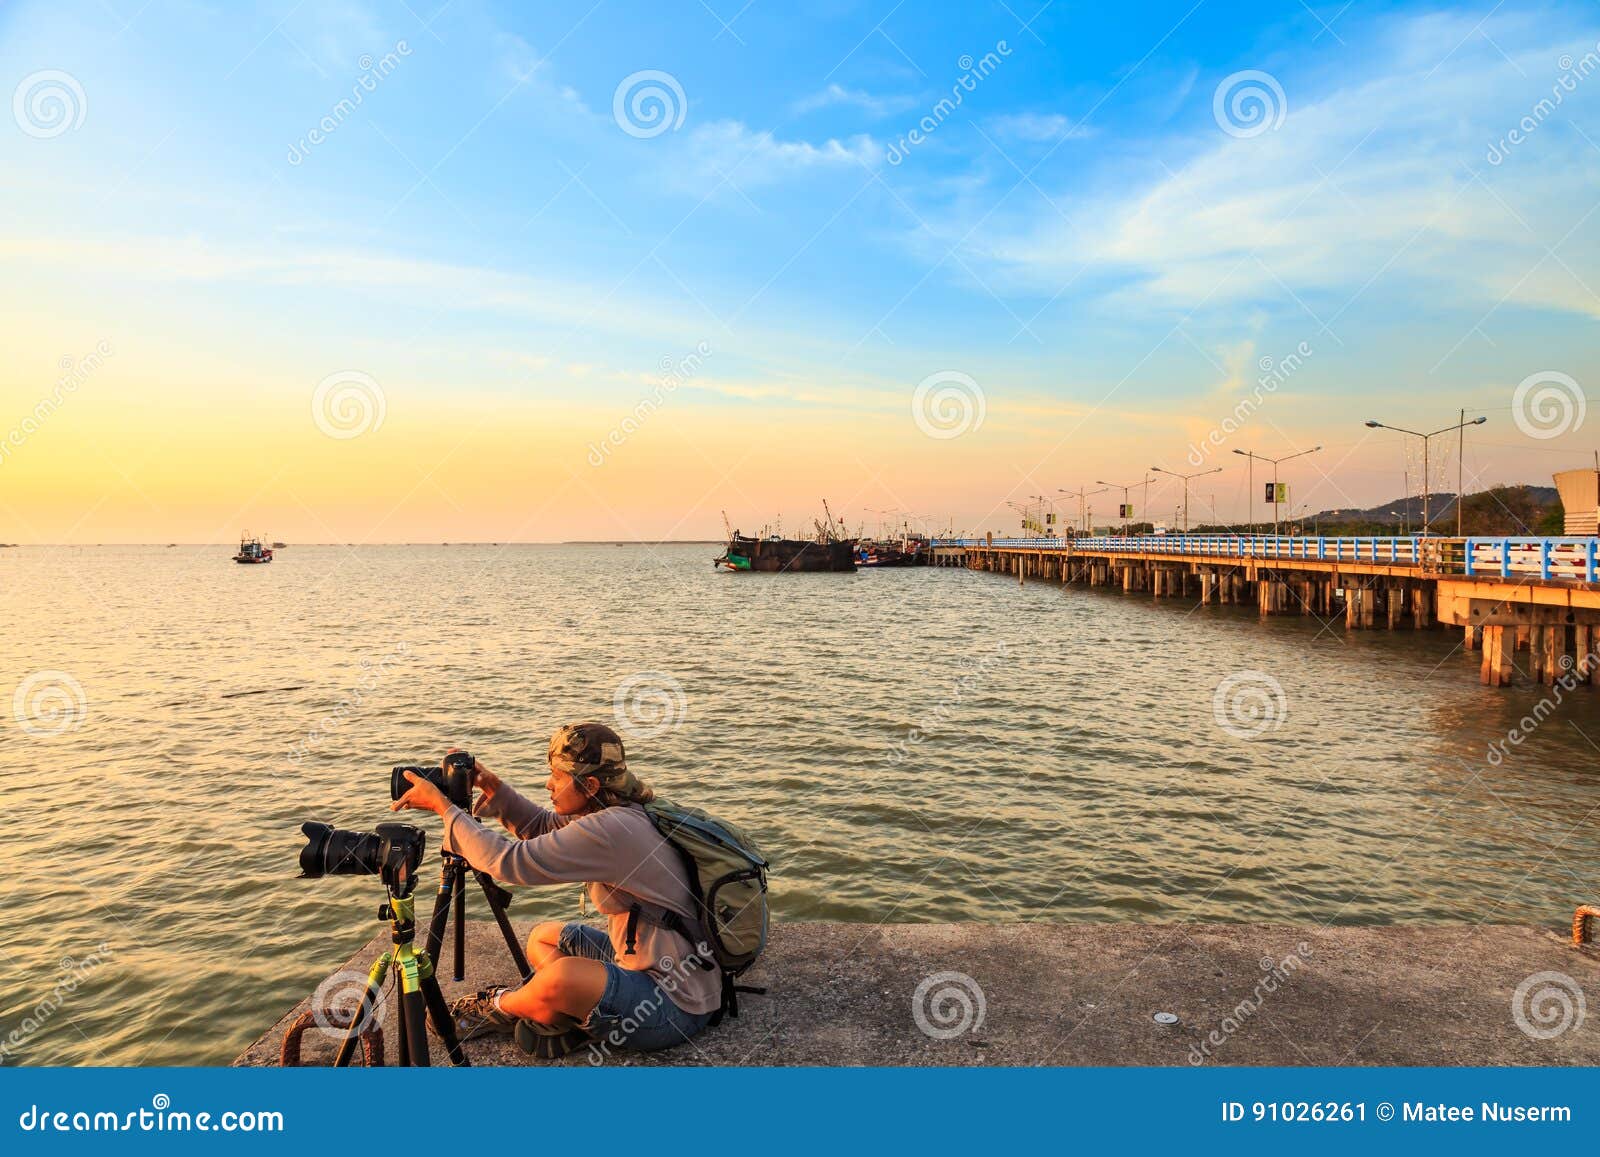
[453, 892]
[420, 998]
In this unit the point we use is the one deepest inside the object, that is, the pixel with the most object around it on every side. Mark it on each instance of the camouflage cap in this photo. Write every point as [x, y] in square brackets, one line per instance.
[587, 749]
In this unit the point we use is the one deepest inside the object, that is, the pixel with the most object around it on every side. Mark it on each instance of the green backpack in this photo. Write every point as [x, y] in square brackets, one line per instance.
[728, 880]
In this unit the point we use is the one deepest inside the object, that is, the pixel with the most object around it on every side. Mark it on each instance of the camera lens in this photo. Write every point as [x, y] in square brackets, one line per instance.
[399, 784]
[330, 851]
[316, 844]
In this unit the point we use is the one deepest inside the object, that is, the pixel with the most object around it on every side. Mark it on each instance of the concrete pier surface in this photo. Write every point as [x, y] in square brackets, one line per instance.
[1060, 994]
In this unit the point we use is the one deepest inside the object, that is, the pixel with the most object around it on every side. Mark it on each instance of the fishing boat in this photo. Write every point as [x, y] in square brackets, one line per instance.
[772, 553]
[907, 552]
[251, 550]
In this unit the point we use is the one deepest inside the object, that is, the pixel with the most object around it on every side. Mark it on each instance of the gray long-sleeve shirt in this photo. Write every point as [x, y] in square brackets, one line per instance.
[618, 851]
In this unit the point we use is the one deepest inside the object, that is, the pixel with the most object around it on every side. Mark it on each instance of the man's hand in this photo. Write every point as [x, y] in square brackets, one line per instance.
[422, 796]
[487, 781]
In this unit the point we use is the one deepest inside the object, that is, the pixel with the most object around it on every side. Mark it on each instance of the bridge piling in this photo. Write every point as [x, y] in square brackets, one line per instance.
[1495, 670]
[1541, 596]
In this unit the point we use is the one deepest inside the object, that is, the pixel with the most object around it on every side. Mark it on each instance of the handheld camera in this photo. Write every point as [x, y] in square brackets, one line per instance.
[454, 778]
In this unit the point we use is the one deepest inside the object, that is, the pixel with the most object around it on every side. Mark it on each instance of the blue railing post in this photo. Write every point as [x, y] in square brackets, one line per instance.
[1544, 559]
[1467, 568]
[1589, 560]
[1505, 558]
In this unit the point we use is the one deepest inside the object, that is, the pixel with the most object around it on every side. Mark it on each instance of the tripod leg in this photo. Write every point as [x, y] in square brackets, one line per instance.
[443, 1023]
[414, 1033]
[369, 1002]
[498, 898]
[441, 911]
[402, 1037]
[461, 922]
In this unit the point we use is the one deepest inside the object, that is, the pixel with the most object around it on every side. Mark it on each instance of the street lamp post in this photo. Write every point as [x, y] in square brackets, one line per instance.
[1083, 511]
[1126, 505]
[1425, 438]
[1186, 479]
[1045, 514]
[1022, 510]
[1251, 484]
[1026, 511]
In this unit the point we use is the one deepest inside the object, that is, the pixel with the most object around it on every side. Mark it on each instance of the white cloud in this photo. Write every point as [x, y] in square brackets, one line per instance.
[409, 279]
[1040, 127]
[835, 94]
[749, 157]
[1382, 179]
[517, 58]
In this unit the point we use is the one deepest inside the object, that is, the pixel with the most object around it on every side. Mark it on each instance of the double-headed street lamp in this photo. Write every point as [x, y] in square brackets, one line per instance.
[1083, 511]
[1251, 484]
[1425, 437]
[1186, 478]
[1126, 505]
[1031, 529]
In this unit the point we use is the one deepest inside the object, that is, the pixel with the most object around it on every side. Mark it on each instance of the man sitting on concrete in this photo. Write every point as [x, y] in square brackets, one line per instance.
[639, 984]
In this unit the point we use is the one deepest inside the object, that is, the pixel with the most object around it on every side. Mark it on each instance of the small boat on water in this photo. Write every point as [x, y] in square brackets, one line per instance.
[907, 552]
[251, 550]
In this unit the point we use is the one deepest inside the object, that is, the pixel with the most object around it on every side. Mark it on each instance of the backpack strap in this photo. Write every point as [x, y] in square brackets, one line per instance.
[631, 936]
[730, 997]
[664, 917]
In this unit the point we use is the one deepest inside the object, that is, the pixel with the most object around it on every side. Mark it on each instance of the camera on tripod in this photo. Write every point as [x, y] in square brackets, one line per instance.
[454, 778]
[394, 851]
[391, 851]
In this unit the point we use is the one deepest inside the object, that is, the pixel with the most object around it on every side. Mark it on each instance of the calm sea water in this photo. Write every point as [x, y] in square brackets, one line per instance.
[916, 745]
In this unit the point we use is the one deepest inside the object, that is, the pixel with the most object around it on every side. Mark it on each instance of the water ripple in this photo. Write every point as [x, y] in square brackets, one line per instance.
[909, 746]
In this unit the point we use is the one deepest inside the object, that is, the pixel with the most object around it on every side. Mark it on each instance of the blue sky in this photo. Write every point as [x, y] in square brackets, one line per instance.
[1082, 237]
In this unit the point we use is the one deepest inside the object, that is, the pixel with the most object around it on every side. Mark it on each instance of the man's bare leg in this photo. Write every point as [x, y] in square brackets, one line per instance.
[563, 991]
[544, 945]
[561, 986]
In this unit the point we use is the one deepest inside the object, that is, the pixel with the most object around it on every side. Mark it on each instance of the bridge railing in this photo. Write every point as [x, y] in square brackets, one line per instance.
[1572, 559]
[1569, 558]
[1400, 551]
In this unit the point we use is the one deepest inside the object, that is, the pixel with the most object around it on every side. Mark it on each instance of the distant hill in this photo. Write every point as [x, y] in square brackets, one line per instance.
[1521, 509]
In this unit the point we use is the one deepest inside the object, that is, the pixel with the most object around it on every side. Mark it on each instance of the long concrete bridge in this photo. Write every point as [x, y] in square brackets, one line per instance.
[1541, 595]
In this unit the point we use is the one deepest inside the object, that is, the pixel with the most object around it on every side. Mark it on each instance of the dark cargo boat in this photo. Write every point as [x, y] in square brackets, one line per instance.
[786, 554]
[830, 550]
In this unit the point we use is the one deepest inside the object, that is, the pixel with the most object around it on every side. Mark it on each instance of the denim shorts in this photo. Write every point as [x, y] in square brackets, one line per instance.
[634, 1012]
